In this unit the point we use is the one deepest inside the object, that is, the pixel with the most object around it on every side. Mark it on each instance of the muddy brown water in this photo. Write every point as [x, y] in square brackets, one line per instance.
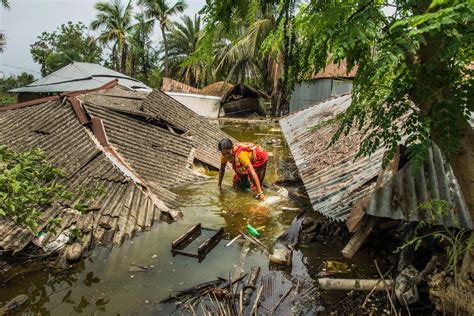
[102, 283]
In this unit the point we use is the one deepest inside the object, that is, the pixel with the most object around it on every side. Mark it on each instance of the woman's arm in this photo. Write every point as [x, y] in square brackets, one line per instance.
[256, 181]
[221, 172]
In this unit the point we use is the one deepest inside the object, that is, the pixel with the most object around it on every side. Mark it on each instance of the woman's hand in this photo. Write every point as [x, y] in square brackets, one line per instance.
[261, 196]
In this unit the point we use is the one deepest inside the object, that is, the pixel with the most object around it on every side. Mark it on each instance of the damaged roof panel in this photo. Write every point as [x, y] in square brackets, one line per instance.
[124, 209]
[53, 127]
[157, 154]
[333, 180]
[400, 196]
[203, 134]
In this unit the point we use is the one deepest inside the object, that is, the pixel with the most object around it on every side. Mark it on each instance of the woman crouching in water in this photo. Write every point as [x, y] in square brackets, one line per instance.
[249, 162]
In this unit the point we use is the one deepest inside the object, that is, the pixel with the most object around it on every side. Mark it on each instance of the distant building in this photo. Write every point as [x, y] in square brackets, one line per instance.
[334, 80]
[77, 76]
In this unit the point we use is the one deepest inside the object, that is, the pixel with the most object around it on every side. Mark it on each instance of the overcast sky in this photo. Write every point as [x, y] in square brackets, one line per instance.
[29, 18]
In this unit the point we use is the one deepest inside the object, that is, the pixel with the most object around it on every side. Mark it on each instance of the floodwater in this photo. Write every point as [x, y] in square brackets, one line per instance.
[103, 284]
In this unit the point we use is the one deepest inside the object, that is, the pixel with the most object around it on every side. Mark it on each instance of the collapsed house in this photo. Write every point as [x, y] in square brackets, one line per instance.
[343, 188]
[218, 99]
[77, 76]
[136, 146]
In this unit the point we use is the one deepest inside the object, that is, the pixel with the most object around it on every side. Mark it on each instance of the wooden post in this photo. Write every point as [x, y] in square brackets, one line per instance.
[358, 238]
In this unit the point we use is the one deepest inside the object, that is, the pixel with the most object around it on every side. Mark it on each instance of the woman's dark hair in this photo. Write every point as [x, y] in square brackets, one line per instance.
[225, 143]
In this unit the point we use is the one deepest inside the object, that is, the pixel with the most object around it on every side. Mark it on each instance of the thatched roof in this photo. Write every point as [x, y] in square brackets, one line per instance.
[171, 85]
[217, 89]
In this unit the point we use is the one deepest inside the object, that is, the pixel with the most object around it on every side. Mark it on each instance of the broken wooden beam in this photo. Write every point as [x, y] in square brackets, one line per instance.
[358, 238]
[250, 285]
[353, 284]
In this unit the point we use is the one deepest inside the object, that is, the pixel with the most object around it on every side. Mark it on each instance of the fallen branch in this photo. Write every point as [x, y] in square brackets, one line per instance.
[255, 305]
[352, 284]
[386, 288]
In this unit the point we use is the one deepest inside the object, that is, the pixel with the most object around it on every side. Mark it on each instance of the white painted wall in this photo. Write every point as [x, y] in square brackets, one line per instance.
[204, 105]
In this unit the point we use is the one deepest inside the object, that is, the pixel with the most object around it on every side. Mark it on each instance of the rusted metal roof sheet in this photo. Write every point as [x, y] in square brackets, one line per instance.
[203, 134]
[333, 180]
[156, 153]
[400, 196]
[339, 70]
[125, 208]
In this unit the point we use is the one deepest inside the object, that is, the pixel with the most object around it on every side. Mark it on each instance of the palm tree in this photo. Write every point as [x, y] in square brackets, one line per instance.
[183, 40]
[140, 46]
[239, 55]
[6, 5]
[161, 10]
[115, 21]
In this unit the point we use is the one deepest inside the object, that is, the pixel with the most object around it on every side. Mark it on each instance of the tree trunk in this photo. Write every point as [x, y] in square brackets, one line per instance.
[123, 59]
[165, 42]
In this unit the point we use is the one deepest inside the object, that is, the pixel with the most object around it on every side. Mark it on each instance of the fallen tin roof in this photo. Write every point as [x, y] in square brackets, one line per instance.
[80, 76]
[127, 206]
[333, 180]
[203, 134]
[401, 195]
[336, 183]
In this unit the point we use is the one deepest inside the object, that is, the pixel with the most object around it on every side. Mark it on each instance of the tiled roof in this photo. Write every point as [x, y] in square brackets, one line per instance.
[53, 126]
[202, 133]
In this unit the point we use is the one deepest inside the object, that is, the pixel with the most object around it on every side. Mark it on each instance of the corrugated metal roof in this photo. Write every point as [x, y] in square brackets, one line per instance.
[80, 76]
[203, 134]
[400, 196]
[333, 180]
[53, 126]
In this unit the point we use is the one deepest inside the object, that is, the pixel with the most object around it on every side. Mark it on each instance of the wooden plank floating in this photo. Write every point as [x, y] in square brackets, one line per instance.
[178, 241]
[179, 245]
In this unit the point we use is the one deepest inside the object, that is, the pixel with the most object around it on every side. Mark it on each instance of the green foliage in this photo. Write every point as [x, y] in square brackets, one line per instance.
[70, 42]
[12, 82]
[183, 41]
[114, 21]
[453, 239]
[162, 12]
[75, 235]
[412, 68]
[29, 185]
[6, 99]
[154, 80]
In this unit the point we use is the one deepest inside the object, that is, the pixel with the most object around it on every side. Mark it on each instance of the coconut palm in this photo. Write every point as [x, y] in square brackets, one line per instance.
[161, 10]
[115, 21]
[239, 55]
[183, 40]
[6, 5]
[140, 46]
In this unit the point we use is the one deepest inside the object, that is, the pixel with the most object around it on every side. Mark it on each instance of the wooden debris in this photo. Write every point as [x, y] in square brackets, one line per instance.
[255, 305]
[282, 298]
[353, 284]
[291, 209]
[138, 268]
[250, 285]
[13, 304]
[281, 255]
[255, 241]
[358, 238]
